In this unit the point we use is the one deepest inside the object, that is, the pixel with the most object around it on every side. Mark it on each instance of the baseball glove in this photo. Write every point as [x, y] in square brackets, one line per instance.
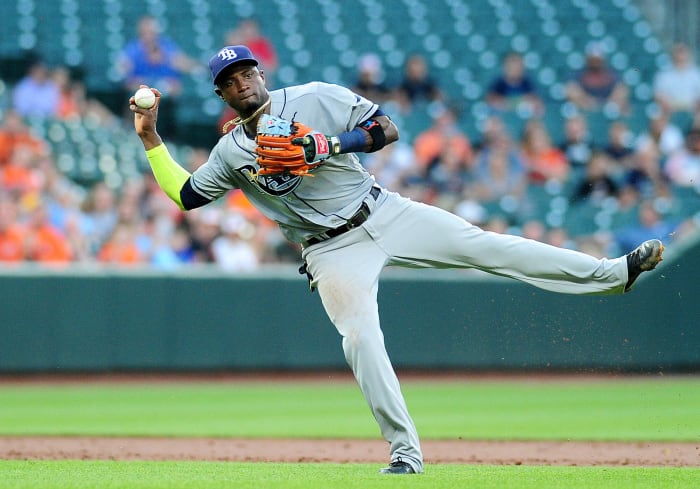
[285, 147]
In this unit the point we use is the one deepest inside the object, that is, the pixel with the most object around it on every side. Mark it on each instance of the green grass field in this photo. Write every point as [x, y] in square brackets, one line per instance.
[216, 475]
[626, 409]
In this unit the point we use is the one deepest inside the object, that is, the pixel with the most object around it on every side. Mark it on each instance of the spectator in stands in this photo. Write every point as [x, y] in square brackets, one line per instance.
[651, 224]
[69, 99]
[390, 164]
[370, 79]
[131, 214]
[677, 88]
[498, 177]
[249, 34]
[597, 184]
[499, 170]
[12, 234]
[61, 196]
[173, 250]
[448, 178]
[36, 94]
[21, 174]
[278, 249]
[238, 203]
[76, 241]
[683, 166]
[155, 60]
[165, 218]
[543, 161]
[558, 236]
[597, 86]
[534, 229]
[121, 246]
[577, 144]
[203, 227]
[492, 127]
[164, 240]
[74, 102]
[497, 223]
[444, 132]
[628, 200]
[417, 85]
[472, 211]
[513, 90]
[619, 147]
[662, 135]
[15, 134]
[645, 175]
[99, 216]
[232, 249]
[43, 241]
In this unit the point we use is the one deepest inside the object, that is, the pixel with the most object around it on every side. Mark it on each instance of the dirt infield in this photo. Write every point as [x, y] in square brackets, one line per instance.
[647, 454]
[349, 451]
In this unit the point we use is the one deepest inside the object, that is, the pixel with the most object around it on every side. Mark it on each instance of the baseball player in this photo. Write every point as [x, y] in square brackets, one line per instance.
[292, 152]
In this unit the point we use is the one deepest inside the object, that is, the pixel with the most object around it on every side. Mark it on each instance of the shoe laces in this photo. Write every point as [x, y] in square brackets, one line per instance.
[638, 258]
[398, 462]
[637, 254]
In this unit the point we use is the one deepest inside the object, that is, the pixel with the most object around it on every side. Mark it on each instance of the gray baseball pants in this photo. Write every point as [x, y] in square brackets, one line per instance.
[402, 232]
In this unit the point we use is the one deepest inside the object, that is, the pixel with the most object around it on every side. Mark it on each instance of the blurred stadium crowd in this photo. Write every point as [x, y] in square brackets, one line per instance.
[598, 159]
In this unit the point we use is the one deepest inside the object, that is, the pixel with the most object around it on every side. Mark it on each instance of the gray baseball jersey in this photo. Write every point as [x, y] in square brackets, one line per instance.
[302, 206]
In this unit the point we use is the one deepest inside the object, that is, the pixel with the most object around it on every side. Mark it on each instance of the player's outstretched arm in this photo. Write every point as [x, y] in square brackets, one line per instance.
[171, 177]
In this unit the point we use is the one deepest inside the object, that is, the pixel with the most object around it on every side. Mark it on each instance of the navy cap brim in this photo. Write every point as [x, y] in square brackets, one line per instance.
[228, 68]
[228, 57]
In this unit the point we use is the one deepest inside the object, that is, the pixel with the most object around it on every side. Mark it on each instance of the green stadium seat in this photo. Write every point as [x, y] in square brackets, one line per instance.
[580, 219]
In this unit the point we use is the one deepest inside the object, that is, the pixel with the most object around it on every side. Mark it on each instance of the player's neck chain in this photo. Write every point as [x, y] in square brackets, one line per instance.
[239, 122]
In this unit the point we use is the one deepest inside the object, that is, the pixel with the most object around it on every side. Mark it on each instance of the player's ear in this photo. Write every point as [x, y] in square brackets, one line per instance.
[219, 92]
[262, 77]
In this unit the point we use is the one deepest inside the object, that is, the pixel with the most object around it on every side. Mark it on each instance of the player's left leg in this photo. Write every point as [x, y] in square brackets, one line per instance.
[346, 271]
[419, 235]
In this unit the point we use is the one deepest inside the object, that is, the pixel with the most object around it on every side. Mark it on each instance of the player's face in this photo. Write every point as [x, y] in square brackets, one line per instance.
[243, 88]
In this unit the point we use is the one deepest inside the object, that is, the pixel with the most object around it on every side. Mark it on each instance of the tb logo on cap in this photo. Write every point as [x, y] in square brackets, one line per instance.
[227, 54]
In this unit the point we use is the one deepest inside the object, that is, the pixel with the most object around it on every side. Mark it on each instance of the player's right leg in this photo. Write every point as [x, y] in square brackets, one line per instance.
[345, 271]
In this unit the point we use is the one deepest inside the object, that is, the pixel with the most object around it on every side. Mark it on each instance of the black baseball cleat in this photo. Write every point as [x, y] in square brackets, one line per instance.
[398, 466]
[644, 258]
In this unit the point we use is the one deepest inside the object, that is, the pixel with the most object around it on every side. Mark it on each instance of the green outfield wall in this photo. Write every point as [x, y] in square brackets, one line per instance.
[97, 320]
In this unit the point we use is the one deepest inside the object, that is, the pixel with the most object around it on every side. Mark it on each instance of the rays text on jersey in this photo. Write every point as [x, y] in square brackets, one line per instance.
[271, 184]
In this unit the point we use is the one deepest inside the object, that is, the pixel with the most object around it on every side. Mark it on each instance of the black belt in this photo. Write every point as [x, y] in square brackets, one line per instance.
[356, 220]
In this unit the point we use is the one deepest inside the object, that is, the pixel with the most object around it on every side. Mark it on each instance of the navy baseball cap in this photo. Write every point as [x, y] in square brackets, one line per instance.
[228, 56]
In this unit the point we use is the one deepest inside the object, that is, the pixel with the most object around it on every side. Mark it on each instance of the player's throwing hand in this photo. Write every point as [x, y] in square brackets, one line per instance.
[145, 120]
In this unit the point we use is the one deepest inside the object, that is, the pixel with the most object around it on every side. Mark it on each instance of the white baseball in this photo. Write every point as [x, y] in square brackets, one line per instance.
[144, 98]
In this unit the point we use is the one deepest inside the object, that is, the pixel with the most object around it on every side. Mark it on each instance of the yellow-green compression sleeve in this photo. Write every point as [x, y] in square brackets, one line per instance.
[169, 174]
